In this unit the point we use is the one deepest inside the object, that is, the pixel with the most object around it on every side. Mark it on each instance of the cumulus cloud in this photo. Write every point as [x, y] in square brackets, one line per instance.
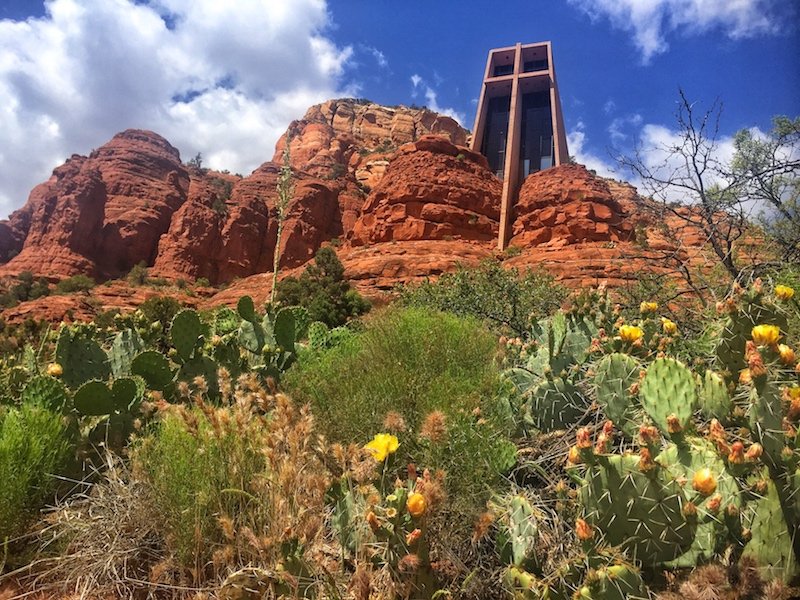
[431, 99]
[578, 144]
[652, 21]
[214, 77]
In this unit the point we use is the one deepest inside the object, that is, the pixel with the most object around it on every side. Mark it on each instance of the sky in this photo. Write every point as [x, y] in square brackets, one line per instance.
[226, 78]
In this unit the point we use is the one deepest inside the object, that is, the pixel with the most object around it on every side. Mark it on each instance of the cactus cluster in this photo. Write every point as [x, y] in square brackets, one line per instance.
[707, 458]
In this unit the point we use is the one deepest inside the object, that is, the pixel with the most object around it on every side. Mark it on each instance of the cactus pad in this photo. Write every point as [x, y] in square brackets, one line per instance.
[154, 368]
[81, 357]
[47, 392]
[667, 389]
[616, 373]
[185, 331]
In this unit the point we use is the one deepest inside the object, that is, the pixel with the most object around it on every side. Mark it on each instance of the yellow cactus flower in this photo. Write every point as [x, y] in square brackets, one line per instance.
[416, 505]
[630, 333]
[55, 370]
[704, 482]
[765, 335]
[784, 292]
[382, 445]
[787, 354]
[669, 327]
[648, 307]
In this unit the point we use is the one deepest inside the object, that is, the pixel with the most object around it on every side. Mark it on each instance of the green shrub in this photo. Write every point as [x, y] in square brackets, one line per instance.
[412, 362]
[76, 283]
[502, 297]
[27, 287]
[138, 274]
[34, 447]
[323, 291]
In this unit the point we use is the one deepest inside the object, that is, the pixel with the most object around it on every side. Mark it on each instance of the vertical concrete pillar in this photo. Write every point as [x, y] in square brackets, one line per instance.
[511, 168]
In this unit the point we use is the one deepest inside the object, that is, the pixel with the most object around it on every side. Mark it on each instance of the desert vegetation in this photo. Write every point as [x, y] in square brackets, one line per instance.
[487, 436]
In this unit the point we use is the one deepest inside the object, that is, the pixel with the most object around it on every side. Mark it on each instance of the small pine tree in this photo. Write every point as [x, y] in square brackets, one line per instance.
[323, 291]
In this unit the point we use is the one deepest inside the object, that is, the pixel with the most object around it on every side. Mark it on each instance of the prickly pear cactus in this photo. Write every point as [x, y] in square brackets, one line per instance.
[771, 542]
[555, 404]
[667, 391]
[81, 357]
[713, 397]
[642, 511]
[616, 582]
[47, 392]
[519, 534]
[95, 398]
[126, 345]
[683, 460]
[154, 368]
[615, 376]
[185, 332]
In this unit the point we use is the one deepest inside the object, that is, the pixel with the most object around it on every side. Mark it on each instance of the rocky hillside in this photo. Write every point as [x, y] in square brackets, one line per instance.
[396, 189]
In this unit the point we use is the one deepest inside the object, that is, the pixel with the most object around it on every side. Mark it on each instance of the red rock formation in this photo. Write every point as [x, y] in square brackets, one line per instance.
[566, 205]
[238, 239]
[102, 214]
[432, 190]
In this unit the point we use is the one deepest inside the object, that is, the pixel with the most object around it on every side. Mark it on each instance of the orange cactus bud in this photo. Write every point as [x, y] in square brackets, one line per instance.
[574, 456]
[646, 462]
[583, 438]
[754, 452]
[648, 434]
[583, 530]
[787, 354]
[714, 503]
[745, 377]
[704, 482]
[673, 424]
[372, 520]
[689, 509]
[736, 456]
[413, 537]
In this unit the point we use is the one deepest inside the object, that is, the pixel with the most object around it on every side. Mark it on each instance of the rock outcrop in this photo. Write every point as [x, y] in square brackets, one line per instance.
[567, 205]
[394, 189]
[432, 190]
[102, 214]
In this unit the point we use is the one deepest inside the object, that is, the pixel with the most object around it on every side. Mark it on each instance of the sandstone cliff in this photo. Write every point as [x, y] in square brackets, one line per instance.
[395, 189]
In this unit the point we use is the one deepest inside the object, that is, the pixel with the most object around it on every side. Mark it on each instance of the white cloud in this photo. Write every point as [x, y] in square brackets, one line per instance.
[620, 127]
[214, 77]
[577, 142]
[652, 21]
[431, 101]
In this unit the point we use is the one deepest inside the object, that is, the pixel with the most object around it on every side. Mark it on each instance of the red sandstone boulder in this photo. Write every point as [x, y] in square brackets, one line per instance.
[432, 190]
[566, 205]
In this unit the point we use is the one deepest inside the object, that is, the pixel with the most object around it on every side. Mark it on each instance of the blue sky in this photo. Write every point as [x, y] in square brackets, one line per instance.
[226, 78]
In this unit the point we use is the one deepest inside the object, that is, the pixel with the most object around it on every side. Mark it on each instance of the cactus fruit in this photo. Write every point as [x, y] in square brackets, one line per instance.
[126, 345]
[185, 331]
[640, 511]
[154, 368]
[615, 376]
[556, 404]
[668, 394]
[81, 357]
[47, 392]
